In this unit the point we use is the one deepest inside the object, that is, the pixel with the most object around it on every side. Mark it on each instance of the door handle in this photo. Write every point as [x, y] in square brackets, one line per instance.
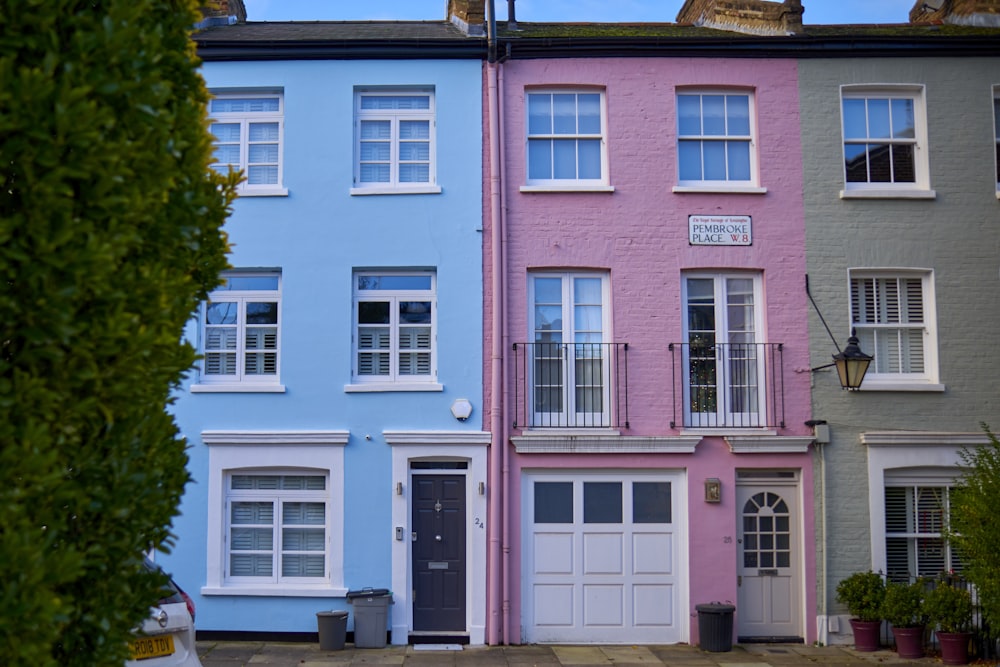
[437, 538]
[739, 580]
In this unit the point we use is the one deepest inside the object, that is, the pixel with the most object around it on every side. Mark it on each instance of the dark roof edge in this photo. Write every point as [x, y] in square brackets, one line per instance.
[748, 47]
[355, 49]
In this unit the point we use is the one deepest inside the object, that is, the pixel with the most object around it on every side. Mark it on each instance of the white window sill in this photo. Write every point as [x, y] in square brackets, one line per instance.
[720, 189]
[237, 388]
[263, 192]
[421, 190]
[729, 430]
[567, 188]
[870, 385]
[998, 194]
[392, 386]
[277, 590]
[914, 193]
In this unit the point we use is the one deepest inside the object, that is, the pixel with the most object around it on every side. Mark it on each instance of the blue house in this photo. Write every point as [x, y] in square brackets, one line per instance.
[335, 421]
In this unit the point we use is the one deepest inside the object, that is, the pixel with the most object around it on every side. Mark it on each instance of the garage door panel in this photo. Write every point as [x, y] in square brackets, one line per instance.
[652, 553]
[553, 553]
[602, 553]
[653, 605]
[604, 606]
[607, 567]
[554, 605]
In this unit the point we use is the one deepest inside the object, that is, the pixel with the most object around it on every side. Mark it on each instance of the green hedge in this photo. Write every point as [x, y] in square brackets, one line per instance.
[110, 235]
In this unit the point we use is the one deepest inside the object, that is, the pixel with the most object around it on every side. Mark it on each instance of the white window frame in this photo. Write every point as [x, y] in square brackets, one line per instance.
[600, 184]
[996, 132]
[395, 117]
[725, 412]
[266, 452]
[926, 380]
[245, 119]
[920, 187]
[393, 380]
[277, 498]
[240, 381]
[750, 185]
[570, 414]
[921, 486]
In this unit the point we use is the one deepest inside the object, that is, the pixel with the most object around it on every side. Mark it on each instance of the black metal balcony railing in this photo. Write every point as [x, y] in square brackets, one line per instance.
[571, 385]
[728, 385]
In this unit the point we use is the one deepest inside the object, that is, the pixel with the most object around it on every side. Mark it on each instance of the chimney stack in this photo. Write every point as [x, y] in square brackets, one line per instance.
[222, 12]
[983, 13]
[754, 17]
[468, 15]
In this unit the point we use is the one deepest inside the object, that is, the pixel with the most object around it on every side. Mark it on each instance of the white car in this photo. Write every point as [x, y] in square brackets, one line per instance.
[166, 638]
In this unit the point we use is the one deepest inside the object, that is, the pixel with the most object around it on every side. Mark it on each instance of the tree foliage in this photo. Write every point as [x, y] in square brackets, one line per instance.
[975, 528]
[110, 235]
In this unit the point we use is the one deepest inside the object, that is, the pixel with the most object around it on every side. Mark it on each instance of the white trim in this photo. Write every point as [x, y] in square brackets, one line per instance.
[720, 189]
[766, 444]
[264, 192]
[277, 591]
[422, 190]
[875, 385]
[281, 450]
[395, 117]
[392, 386]
[431, 438]
[922, 439]
[880, 193]
[245, 119]
[323, 438]
[470, 446]
[555, 443]
[237, 388]
[567, 188]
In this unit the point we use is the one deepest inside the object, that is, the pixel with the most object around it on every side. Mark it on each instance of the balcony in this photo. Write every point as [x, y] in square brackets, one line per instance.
[728, 385]
[571, 385]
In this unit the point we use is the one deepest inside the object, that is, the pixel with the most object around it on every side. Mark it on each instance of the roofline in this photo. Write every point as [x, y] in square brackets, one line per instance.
[796, 46]
[354, 49]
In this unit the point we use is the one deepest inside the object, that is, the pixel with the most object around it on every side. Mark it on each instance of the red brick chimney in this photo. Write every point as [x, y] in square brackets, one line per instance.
[755, 17]
[984, 13]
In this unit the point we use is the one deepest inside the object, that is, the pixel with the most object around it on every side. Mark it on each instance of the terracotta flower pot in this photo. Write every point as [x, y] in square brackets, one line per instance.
[954, 647]
[866, 634]
[909, 642]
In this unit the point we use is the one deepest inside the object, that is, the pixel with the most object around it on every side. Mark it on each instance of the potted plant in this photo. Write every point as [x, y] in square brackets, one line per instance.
[949, 608]
[863, 593]
[903, 607]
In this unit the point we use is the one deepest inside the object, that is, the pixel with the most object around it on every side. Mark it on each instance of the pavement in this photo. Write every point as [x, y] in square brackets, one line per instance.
[281, 654]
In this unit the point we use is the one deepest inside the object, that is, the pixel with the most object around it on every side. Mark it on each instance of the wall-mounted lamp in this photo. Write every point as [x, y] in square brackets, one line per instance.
[713, 490]
[461, 409]
[851, 362]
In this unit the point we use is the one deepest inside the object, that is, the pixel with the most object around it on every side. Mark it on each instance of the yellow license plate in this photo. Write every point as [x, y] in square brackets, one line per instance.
[151, 647]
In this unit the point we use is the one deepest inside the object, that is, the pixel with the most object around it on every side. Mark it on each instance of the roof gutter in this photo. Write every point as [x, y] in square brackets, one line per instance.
[355, 49]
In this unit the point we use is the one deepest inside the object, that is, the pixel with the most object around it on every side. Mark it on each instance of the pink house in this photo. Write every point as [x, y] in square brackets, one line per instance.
[646, 347]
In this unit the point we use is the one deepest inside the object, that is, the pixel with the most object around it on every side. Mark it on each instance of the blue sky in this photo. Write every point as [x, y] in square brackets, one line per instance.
[817, 11]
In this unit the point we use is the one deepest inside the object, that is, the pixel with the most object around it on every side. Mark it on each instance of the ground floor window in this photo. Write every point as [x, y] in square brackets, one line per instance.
[915, 515]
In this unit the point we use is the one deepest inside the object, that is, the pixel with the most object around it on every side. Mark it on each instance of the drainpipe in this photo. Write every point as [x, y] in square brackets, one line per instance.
[505, 361]
[497, 442]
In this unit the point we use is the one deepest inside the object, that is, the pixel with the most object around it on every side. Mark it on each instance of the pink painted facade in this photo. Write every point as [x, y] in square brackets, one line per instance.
[638, 236]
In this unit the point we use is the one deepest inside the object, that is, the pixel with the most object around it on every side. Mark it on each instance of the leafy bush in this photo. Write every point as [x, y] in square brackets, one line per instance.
[974, 530]
[110, 234]
[863, 593]
[903, 605]
[949, 608]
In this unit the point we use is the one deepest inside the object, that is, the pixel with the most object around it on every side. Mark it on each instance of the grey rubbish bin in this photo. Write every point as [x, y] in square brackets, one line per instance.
[371, 615]
[715, 626]
[332, 629]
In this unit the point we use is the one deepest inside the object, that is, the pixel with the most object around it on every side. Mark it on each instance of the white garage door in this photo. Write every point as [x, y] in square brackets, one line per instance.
[602, 557]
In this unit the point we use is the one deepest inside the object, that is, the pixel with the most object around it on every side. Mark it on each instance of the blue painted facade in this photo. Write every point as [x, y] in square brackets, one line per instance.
[317, 235]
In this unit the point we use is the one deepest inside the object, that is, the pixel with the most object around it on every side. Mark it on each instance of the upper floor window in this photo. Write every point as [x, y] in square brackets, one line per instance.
[276, 524]
[395, 317]
[395, 148]
[569, 352]
[240, 330]
[566, 139]
[248, 130]
[715, 140]
[892, 313]
[885, 142]
[726, 370]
